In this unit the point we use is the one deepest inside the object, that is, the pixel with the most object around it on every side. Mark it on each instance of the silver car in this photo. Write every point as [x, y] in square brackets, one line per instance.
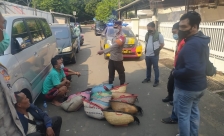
[28, 57]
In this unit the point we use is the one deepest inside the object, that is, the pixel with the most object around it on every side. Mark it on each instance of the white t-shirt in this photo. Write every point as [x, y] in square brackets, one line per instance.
[31, 127]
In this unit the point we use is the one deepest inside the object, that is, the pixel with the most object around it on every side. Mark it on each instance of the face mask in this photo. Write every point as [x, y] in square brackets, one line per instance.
[62, 66]
[150, 31]
[175, 36]
[183, 34]
[5, 42]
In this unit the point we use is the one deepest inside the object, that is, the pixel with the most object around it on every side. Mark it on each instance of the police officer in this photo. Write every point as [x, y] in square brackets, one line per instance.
[116, 55]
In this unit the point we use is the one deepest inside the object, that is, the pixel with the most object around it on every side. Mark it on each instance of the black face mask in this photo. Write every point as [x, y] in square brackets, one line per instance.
[150, 31]
[183, 34]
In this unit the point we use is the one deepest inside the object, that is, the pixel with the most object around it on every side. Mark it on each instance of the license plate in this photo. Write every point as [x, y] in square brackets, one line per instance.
[126, 51]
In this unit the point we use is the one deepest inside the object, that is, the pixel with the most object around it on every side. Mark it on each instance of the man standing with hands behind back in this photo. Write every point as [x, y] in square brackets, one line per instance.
[154, 43]
[116, 55]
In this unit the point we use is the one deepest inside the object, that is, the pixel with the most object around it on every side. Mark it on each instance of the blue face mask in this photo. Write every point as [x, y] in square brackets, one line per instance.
[176, 37]
[5, 42]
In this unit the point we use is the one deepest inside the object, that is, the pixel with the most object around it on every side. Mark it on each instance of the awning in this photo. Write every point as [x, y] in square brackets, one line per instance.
[139, 4]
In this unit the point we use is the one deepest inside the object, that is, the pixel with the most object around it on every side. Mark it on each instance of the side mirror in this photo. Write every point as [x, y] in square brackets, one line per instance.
[137, 35]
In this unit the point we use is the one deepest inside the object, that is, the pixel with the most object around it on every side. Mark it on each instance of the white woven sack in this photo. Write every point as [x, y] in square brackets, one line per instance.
[94, 112]
[73, 104]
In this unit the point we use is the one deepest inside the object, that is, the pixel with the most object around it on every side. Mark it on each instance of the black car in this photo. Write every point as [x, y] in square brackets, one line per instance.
[99, 27]
[66, 41]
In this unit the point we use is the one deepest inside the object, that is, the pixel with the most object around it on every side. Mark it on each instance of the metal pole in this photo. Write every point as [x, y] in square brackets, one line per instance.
[119, 12]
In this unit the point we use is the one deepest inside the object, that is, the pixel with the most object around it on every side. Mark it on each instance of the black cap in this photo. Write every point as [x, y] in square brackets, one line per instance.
[117, 23]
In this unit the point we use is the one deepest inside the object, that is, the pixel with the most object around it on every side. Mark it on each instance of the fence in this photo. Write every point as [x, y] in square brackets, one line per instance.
[11, 8]
[214, 30]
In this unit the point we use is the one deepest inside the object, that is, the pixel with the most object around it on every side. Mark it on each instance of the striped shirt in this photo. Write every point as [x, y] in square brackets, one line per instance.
[115, 50]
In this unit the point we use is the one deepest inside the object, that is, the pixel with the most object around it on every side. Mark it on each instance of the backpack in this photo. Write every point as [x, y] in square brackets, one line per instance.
[210, 69]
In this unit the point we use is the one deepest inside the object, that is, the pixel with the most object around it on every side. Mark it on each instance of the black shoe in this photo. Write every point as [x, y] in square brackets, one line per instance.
[171, 103]
[167, 99]
[146, 81]
[169, 121]
[155, 84]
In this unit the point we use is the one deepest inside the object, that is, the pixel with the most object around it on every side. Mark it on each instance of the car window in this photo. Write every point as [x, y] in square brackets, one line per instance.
[20, 36]
[34, 30]
[60, 32]
[72, 31]
[127, 32]
[40, 28]
[46, 27]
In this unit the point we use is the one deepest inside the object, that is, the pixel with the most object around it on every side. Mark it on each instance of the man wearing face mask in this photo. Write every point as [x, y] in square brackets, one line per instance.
[190, 74]
[55, 85]
[154, 43]
[4, 37]
[170, 85]
[116, 55]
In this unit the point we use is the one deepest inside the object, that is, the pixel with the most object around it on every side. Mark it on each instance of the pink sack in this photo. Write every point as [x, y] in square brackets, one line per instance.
[85, 94]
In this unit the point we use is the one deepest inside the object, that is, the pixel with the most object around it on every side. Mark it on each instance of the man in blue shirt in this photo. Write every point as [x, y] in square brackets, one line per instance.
[190, 74]
[55, 85]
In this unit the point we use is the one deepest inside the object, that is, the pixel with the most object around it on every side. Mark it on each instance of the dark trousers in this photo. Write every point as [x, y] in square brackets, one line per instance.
[170, 85]
[56, 126]
[119, 67]
[152, 61]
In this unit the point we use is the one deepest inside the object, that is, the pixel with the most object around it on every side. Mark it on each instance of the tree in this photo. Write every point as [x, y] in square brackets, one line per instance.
[91, 6]
[104, 9]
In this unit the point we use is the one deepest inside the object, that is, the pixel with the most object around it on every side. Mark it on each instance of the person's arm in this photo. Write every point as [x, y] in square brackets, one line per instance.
[56, 81]
[192, 63]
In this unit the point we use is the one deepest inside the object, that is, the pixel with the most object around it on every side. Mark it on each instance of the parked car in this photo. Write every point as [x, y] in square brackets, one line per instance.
[66, 41]
[132, 48]
[28, 57]
[99, 27]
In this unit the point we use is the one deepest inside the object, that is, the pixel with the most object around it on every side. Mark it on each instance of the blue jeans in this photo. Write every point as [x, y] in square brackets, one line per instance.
[152, 61]
[187, 111]
[173, 115]
[78, 40]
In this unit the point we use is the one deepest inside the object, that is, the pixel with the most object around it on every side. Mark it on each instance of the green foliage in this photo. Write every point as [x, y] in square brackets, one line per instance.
[91, 5]
[104, 9]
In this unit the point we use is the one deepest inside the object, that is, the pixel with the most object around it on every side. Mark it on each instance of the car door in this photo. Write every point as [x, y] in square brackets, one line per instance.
[28, 52]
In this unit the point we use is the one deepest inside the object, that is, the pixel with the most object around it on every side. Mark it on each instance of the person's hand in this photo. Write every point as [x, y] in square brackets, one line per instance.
[100, 52]
[78, 74]
[67, 81]
[50, 132]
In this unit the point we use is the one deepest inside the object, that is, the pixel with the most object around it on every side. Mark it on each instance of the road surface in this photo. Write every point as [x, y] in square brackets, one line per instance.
[94, 71]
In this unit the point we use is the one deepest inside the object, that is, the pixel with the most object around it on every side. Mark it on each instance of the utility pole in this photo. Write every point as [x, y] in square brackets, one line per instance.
[119, 12]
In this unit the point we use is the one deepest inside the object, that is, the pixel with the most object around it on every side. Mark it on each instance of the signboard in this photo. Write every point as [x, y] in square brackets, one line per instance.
[74, 13]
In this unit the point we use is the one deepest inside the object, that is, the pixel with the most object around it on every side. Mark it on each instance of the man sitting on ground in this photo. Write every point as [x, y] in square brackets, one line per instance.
[68, 72]
[29, 114]
[56, 85]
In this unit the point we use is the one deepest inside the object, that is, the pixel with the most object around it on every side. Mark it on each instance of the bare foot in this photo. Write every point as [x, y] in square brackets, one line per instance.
[56, 103]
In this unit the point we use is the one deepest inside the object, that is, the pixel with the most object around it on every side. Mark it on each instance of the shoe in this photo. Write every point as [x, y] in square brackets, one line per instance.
[155, 84]
[171, 103]
[169, 121]
[167, 99]
[146, 81]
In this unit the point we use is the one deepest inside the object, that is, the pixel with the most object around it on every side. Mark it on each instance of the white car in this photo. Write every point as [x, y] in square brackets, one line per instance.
[28, 57]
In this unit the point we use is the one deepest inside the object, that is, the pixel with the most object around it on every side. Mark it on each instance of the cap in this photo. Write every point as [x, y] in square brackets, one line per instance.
[117, 23]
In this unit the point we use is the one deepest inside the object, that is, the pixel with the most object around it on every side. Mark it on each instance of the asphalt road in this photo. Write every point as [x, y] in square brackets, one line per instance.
[94, 71]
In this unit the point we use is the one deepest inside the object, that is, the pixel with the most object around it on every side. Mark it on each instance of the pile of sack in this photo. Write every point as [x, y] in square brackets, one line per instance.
[104, 101]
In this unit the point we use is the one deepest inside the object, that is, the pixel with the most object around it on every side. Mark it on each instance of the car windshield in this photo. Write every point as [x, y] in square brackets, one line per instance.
[60, 33]
[127, 32]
